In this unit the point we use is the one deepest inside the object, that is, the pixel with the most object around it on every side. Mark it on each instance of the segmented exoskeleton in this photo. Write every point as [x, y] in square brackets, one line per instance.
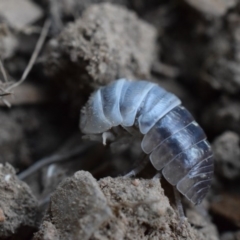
[176, 143]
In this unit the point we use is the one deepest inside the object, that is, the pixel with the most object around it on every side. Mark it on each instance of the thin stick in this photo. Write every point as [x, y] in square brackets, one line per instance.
[4, 94]
[60, 157]
[3, 71]
[7, 103]
[55, 14]
[35, 54]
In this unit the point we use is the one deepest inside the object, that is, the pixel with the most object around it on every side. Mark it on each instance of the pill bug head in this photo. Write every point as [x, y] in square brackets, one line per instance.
[92, 119]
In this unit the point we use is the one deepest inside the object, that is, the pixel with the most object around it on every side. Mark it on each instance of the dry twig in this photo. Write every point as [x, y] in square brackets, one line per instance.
[5, 78]
[55, 158]
[34, 56]
[6, 89]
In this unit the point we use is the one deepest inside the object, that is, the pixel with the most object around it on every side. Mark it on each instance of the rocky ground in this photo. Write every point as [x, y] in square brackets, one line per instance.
[56, 185]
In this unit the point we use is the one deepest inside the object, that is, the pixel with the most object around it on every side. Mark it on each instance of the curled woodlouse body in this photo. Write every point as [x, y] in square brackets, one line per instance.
[176, 143]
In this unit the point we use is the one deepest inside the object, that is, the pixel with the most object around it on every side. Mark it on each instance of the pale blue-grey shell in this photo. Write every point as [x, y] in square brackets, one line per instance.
[176, 143]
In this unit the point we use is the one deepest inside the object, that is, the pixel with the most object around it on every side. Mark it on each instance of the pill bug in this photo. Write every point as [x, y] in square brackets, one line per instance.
[176, 144]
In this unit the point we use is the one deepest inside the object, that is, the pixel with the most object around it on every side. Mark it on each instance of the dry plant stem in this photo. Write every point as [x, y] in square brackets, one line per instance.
[3, 71]
[44, 201]
[166, 70]
[27, 30]
[35, 54]
[5, 78]
[55, 14]
[58, 157]
[4, 94]
[5, 102]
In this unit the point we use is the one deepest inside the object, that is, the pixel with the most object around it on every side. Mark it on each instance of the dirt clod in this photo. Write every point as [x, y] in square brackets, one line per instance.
[47, 232]
[15, 15]
[100, 47]
[83, 204]
[227, 154]
[18, 207]
[215, 8]
[112, 208]
[67, 8]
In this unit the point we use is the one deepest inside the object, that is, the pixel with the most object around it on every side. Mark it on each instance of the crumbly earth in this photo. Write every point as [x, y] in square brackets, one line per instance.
[189, 47]
[67, 8]
[113, 208]
[18, 206]
[100, 47]
[227, 152]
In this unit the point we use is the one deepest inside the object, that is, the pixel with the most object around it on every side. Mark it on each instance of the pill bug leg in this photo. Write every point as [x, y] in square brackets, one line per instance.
[132, 131]
[140, 166]
[179, 205]
[107, 136]
[92, 137]
[177, 198]
[104, 138]
[158, 175]
[130, 174]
